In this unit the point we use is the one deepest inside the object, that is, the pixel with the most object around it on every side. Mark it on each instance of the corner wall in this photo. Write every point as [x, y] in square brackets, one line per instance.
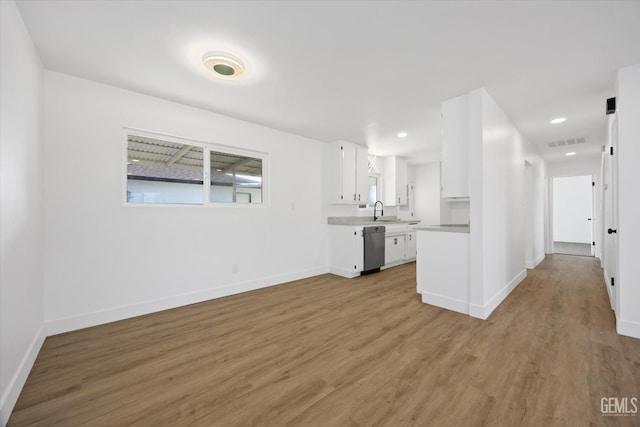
[106, 261]
[21, 254]
[498, 198]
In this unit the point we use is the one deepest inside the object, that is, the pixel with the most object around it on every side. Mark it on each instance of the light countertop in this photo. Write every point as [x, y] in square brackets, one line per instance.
[447, 228]
[365, 220]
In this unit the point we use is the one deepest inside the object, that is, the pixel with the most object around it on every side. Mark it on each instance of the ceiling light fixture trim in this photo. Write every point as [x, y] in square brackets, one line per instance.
[558, 120]
[223, 65]
[402, 134]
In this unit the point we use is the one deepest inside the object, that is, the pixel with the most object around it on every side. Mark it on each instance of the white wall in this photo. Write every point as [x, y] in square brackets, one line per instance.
[572, 206]
[21, 255]
[628, 224]
[498, 152]
[106, 261]
[503, 202]
[426, 179]
[454, 211]
[575, 166]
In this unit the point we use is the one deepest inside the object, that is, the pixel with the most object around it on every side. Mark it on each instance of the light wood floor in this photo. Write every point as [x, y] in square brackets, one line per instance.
[328, 351]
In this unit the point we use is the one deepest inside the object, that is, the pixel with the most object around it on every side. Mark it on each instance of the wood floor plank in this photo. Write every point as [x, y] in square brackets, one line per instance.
[330, 351]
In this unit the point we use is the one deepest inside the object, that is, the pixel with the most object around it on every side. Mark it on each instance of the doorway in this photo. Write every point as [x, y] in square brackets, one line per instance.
[573, 215]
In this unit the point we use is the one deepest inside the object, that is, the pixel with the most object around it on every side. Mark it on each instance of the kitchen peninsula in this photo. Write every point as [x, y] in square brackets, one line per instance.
[442, 265]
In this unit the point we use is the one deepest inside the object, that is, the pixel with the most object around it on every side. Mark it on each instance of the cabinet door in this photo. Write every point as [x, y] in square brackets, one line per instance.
[349, 174]
[394, 248]
[401, 181]
[455, 147]
[411, 245]
[362, 175]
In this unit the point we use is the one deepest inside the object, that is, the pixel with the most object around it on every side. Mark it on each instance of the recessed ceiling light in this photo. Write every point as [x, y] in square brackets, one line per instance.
[558, 120]
[218, 170]
[135, 160]
[402, 135]
[571, 153]
[223, 65]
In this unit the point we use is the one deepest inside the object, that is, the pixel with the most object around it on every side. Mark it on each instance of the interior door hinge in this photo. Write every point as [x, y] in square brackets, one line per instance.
[593, 243]
[611, 151]
[593, 184]
[613, 281]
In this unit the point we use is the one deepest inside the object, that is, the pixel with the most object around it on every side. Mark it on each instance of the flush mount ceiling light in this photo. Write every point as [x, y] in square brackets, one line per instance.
[223, 65]
[402, 135]
[558, 120]
[571, 153]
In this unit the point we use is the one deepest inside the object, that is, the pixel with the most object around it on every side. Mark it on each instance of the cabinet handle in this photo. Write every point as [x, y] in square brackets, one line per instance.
[358, 197]
[398, 200]
[395, 241]
[354, 197]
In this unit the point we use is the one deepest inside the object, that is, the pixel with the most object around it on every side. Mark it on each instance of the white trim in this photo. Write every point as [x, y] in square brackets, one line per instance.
[343, 272]
[607, 280]
[445, 302]
[58, 326]
[15, 385]
[538, 260]
[628, 328]
[483, 312]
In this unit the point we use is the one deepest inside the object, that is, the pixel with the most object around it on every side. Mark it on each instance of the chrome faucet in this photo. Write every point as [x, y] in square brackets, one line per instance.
[375, 205]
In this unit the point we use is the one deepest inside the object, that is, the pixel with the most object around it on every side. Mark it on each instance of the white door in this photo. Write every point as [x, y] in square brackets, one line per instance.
[610, 218]
[572, 210]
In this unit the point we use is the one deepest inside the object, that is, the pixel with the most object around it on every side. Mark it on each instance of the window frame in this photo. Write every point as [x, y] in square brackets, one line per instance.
[207, 148]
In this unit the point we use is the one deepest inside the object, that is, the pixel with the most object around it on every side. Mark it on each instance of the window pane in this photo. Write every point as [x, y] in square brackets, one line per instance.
[164, 172]
[373, 190]
[235, 178]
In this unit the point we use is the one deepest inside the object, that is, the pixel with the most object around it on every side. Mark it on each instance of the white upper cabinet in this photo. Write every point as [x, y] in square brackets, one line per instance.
[394, 177]
[455, 147]
[348, 173]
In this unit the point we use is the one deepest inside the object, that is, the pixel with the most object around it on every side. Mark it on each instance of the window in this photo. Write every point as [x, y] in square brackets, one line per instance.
[167, 170]
[374, 189]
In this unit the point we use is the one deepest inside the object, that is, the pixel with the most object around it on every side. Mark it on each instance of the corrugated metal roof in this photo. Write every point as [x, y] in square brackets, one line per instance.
[164, 160]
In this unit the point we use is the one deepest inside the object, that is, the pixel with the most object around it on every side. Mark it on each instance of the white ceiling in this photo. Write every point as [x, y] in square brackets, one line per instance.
[356, 70]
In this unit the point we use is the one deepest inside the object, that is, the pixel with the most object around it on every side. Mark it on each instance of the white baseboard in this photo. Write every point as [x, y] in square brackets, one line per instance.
[628, 328]
[531, 264]
[58, 326]
[607, 280]
[14, 387]
[483, 312]
[445, 302]
[538, 260]
[343, 272]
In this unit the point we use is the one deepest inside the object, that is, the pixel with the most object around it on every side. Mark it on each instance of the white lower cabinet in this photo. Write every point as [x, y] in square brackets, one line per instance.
[394, 247]
[346, 250]
[411, 245]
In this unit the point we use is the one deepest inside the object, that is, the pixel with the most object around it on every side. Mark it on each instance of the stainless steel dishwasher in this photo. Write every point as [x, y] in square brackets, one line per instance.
[373, 248]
